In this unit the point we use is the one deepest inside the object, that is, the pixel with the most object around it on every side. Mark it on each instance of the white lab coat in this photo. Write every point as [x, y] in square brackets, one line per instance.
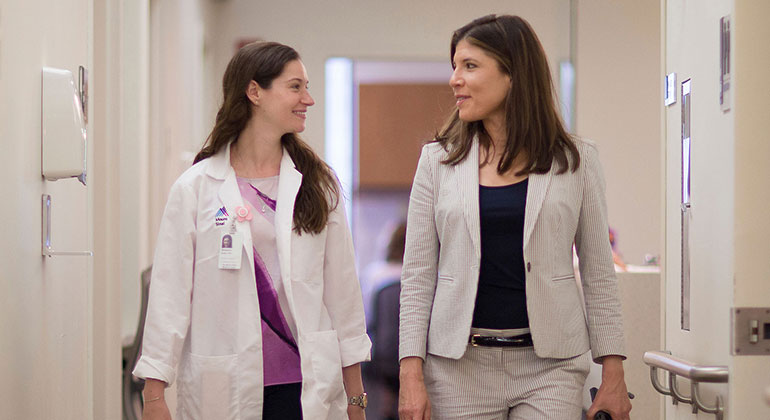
[206, 320]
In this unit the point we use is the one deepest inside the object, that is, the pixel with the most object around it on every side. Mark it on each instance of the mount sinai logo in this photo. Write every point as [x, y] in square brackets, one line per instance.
[221, 217]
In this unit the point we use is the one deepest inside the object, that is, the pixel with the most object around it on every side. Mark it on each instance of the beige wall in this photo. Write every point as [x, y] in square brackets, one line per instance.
[618, 102]
[120, 181]
[399, 29]
[751, 375]
[45, 321]
[177, 123]
[104, 181]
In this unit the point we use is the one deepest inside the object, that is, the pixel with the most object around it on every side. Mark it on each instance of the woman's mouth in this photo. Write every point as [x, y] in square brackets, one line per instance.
[461, 99]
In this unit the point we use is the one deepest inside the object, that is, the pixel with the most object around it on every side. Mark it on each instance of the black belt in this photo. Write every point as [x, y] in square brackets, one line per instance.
[524, 340]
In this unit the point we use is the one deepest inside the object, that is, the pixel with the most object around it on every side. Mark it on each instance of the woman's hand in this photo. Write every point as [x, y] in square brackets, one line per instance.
[413, 403]
[612, 396]
[155, 407]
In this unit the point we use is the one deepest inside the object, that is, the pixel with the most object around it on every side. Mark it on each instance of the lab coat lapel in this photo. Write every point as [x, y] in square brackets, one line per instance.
[230, 196]
[537, 188]
[467, 176]
[289, 182]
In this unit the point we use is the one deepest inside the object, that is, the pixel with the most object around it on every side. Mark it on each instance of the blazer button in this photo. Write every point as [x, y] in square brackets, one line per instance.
[529, 267]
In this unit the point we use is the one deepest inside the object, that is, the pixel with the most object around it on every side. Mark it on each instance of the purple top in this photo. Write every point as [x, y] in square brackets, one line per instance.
[281, 363]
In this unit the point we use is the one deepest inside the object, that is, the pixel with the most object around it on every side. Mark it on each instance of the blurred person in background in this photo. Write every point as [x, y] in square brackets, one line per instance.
[382, 296]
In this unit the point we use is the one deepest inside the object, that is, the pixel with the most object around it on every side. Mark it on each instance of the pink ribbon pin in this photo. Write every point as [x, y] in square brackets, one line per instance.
[243, 213]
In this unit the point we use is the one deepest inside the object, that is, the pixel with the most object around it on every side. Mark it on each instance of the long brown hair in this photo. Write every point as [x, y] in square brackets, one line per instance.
[533, 122]
[263, 62]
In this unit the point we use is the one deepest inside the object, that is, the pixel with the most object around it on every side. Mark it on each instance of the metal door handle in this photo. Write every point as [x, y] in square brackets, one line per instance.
[46, 237]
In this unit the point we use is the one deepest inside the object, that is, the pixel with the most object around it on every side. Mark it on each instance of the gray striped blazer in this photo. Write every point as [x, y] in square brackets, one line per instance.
[441, 264]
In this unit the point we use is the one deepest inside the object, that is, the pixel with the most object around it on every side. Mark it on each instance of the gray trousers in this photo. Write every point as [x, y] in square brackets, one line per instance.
[491, 383]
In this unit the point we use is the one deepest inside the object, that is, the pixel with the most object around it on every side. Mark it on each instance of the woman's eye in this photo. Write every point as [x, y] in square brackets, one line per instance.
[470, 66]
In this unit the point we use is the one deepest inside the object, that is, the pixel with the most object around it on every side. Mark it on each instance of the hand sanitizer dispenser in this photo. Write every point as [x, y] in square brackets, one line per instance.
[63, 127]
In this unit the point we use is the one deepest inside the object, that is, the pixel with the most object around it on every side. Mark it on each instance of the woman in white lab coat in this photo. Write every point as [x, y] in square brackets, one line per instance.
[254, 300]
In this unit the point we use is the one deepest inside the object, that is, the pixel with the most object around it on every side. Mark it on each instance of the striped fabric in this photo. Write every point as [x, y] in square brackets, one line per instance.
[490, 383]
[441, 263]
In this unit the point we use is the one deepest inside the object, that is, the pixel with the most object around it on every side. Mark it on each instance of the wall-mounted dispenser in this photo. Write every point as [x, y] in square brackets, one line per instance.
[63, 127]
[63, 139]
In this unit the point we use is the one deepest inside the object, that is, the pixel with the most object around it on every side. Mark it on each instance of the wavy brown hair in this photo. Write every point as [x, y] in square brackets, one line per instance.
[533, 122]
[263, 62]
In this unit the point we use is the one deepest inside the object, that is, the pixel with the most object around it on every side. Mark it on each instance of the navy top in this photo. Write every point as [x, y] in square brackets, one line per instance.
[501, 301]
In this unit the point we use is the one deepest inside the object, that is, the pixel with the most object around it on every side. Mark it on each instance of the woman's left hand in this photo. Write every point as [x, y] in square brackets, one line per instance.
[356, 413]
[612, 396]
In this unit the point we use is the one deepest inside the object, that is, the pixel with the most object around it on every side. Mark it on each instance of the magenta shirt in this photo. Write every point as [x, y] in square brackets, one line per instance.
[281, 363]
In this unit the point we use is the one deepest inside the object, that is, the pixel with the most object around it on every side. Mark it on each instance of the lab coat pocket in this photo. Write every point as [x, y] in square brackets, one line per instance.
[208, 389]
[326, 367]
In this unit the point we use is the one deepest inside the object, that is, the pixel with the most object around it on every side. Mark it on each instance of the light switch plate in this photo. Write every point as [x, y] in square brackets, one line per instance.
[745, 323]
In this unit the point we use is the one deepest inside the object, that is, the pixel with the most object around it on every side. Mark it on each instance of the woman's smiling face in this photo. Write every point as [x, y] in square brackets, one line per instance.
[479, 85]
[285, 103]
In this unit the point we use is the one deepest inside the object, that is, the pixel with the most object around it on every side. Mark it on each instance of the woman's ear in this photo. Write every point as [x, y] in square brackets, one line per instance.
[253, 92]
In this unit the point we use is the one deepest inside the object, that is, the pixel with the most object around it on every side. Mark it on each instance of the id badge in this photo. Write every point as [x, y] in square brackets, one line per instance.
[230, 251]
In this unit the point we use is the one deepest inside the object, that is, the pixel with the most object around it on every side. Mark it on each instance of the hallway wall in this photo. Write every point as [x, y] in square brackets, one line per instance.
[618, 102]
[45, 320]
[750, 377]
[393, 30]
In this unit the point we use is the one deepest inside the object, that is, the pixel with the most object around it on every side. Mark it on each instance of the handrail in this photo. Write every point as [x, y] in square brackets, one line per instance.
[676, 366]
[686, 369]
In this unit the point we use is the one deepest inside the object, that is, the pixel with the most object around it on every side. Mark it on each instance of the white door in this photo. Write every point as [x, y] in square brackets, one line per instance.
[697, 316]
[44, 309]
[702, 238]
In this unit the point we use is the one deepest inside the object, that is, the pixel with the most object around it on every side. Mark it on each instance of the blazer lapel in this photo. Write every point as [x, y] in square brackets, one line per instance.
[467, 176]
[537, 188]
[289, 181]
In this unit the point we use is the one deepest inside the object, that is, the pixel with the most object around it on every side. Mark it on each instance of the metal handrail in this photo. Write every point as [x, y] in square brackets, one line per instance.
[695, 373]
[686, 369]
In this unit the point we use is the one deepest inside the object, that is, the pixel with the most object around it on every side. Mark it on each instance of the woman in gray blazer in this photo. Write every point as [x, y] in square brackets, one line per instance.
[492, 322]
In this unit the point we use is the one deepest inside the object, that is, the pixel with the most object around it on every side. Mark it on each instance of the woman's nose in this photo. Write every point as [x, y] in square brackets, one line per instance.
[454, 80]
[308, 100]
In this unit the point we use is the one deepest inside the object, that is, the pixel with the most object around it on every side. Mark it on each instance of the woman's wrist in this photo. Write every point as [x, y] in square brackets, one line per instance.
[154, 390]
[149, 400]
[411, 368]
[612, 366]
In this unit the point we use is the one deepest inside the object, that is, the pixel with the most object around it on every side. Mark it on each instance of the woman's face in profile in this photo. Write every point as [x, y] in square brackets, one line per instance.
[479, 85]
[285, 103]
